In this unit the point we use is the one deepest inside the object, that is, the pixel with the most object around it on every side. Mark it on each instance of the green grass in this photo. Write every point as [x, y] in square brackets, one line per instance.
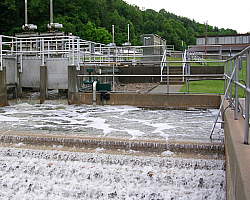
[215, 86]
[205, 86]
[193, 64]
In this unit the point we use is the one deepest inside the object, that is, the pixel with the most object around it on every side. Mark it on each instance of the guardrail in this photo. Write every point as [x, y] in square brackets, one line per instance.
[78, 51]
[232, 68]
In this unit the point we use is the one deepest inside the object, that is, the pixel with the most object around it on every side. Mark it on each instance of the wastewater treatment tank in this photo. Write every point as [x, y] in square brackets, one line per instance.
[95, 173]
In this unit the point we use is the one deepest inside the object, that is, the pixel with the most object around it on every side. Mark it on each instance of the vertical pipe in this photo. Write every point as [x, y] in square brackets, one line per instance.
[246, 138]
[113, 30]
[94, 93]
[51, 12]
[26, 13]
[128, 33]
[236, 97]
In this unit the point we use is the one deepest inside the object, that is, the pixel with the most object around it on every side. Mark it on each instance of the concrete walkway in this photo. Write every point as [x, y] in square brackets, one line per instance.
[163, 89]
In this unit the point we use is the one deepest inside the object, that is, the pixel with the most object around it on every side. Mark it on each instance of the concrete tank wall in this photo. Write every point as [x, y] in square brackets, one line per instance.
[3, 88]
[11, 71]
[57, 73]
[140, 70]
[153, 100]
[30, 75]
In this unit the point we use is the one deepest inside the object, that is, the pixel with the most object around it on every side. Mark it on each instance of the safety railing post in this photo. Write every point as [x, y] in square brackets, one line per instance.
[78, 54]
[246, 138]
[236, 93]
[43, 61]
[168, 77]
[21, 56]
[226, 74]
[73, 50]
[231, 85]
[48, 49]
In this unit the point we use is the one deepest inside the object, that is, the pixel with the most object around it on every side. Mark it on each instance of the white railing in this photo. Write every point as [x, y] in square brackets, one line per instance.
[163, 63]
[78, 51]
[184, 64]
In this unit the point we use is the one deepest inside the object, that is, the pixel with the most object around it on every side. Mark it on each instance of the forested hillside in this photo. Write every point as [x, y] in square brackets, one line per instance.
[93, 20]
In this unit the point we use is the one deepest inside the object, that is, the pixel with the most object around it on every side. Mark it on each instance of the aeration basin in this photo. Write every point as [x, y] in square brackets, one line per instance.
[55, 150]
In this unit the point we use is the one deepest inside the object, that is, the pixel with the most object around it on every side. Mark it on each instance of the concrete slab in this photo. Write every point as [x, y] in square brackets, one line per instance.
[163, 89]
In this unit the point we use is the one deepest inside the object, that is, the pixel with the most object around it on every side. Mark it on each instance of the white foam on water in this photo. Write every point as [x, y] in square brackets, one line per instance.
[36, 174]
[109, 120]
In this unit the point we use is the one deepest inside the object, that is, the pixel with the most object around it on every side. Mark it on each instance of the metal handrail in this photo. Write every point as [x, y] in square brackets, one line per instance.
[235, 74]
[163, 63]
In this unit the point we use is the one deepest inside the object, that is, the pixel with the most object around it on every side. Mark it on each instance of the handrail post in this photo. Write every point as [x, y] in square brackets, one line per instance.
[73, 50]
[246, 138]
[21, 56]
[236, 95]
[168, 77]
[43, 61]
[78, 54]
[231, 86]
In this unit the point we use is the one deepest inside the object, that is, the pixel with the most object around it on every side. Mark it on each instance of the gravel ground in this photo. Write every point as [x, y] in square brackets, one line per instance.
[135, 87]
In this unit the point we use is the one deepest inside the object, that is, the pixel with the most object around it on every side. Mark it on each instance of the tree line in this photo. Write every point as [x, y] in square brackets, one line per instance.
[93, 19]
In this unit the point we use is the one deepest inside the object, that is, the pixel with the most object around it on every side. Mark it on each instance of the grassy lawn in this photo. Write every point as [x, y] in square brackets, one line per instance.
[215, 86]
[192, 64]
[205, 86]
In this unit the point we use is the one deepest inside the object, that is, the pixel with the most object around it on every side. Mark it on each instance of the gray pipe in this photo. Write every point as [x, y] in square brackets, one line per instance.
[94, 93]
[51, 12]
[26, 13]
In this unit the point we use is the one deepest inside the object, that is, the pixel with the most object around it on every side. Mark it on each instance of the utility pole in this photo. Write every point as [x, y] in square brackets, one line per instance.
[206, 43]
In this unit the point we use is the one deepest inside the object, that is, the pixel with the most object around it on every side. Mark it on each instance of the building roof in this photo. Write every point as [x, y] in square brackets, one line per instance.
[225, 47]
[229, 35]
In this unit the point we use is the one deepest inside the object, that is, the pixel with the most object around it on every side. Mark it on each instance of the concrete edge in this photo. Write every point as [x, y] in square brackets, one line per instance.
[178, 101]
[113, 143]
[237, 157]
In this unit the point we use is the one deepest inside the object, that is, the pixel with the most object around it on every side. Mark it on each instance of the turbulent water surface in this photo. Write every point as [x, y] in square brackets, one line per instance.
[127, 121]
[45, 174]
[34, 174]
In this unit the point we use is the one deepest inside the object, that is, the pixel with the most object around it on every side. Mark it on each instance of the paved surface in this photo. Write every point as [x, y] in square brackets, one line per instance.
[163, 89]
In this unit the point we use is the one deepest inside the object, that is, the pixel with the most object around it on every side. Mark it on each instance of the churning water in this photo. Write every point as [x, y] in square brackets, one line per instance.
[36, 174]
[46, 174]
[127, 121]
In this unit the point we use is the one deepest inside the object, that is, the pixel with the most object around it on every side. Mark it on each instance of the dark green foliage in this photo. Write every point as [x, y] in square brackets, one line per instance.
[93, 20]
